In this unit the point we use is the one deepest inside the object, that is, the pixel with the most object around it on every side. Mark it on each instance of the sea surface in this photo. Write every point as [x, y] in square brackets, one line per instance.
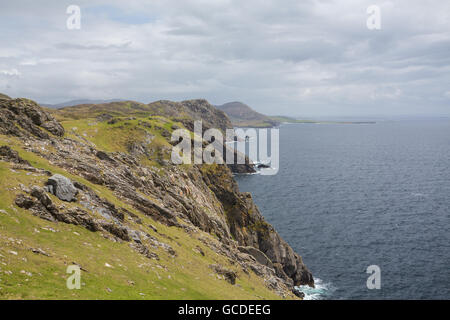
[348, 196]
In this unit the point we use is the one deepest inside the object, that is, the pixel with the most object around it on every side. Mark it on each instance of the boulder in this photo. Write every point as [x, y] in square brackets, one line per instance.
[258, 255]
[61, 187]
[299, 294]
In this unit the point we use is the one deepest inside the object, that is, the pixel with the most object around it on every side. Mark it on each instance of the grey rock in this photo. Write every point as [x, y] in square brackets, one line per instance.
[62, 187]
[22, 117]
[298, 293]
[117, 230]
[258, 255]
[104, 156]
[40, 251]
[229, 275]
[135, 236]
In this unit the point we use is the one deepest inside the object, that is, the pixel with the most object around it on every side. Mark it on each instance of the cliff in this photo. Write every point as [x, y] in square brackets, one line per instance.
[92, 186]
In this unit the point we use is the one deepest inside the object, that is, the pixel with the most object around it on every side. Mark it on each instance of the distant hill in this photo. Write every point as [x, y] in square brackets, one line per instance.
[184, 112]
[241, 115]
[286, 119]
[78, 102]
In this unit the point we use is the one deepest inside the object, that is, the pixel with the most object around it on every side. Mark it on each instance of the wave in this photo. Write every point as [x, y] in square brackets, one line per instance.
[322, 291]
[246, 173]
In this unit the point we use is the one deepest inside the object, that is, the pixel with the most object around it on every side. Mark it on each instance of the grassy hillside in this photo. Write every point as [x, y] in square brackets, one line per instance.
[34, 253]
[27, 275]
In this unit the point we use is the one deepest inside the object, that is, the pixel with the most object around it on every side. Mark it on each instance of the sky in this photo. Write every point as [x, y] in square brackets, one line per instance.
[281, 57]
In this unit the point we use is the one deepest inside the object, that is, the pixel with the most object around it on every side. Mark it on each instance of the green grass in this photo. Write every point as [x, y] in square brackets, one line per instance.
[133, 276]
[32, 276]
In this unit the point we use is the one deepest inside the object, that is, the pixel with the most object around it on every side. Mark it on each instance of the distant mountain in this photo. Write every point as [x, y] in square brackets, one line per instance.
[78, 102]
[4, 96]
[241, 115]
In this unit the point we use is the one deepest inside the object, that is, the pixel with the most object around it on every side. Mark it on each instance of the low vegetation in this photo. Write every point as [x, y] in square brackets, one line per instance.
[35, 253]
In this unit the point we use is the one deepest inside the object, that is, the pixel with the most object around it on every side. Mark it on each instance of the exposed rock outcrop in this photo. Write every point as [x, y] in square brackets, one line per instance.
[228, 275]
[20, 117]
[258, 255]
[249, 228]
[200, 197]
[8, 154]
[189, 111]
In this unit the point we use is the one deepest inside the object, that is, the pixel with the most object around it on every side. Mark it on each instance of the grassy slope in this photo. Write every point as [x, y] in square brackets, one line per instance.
[31, 276]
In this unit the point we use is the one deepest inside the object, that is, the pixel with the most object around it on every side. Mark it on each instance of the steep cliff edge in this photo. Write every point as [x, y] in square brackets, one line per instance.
[113, 161]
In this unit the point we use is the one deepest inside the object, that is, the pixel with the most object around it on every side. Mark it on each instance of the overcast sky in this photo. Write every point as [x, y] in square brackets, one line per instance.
[303, 57]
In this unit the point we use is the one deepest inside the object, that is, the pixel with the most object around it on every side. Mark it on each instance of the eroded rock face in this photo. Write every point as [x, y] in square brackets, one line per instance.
[258, 255]
[21, 117]
[8, 154]
[198, 197]
[41, 205]
[229, 275]
[61, 187]
[189, 111]
[249, 228]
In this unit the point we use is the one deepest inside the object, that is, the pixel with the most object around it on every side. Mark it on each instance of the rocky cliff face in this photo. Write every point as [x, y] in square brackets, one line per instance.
[191, 198]
[21, 117]
[249, 228]
[190, 110]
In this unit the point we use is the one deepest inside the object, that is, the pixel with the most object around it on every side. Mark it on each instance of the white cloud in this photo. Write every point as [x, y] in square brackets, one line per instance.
[294, 57]
[10, 73]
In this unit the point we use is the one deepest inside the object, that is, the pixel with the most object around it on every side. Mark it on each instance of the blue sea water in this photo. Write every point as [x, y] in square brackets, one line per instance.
[348, 196]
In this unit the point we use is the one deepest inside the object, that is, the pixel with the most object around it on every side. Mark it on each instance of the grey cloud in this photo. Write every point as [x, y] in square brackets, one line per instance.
[76, 46]
[293, 57]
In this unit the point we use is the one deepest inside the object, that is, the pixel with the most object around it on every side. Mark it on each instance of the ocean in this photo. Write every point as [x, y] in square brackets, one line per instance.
[348, 196]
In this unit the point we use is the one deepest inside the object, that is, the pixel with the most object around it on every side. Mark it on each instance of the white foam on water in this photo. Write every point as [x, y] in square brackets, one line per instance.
[418, 194]
[246, 174]
[322, 290]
